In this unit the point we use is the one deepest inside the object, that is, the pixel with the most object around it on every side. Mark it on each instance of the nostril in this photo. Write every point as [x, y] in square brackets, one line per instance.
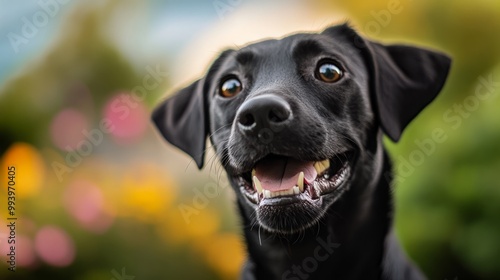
[247, 120]
[261, 112]
[278, 116]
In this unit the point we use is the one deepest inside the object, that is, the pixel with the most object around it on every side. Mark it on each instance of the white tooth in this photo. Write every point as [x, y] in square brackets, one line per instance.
[257, 184]
[300, 181]
[267, 194]
[253, 172]
[295, 190]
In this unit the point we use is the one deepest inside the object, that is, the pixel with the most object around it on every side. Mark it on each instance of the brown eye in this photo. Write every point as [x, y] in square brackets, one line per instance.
[230, 87]
[329, 72]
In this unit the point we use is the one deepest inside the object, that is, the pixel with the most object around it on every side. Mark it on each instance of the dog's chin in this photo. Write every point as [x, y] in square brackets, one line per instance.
[286, 208]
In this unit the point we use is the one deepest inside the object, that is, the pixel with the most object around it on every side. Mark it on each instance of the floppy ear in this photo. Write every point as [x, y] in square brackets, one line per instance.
[181, 119]
[403, 79]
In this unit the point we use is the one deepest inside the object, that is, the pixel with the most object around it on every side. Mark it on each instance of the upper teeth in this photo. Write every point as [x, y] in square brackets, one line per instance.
[300, 181]
[321, 166]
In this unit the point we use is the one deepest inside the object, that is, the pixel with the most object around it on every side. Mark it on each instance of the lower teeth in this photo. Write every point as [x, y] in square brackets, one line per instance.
[292, 191]
[315, 190]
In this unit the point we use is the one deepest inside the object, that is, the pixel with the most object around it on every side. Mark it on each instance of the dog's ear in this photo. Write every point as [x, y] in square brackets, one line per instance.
[182, 120]
[403, 79]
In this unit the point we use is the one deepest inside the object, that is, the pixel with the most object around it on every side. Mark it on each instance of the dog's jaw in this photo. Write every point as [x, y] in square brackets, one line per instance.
[318, 179]
[356, 223]
[303, 203]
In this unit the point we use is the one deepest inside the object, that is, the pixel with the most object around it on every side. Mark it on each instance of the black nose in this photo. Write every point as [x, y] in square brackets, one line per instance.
[264, 111]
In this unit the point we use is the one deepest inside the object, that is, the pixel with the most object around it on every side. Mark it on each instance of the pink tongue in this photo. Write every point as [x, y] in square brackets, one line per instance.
[281, 173]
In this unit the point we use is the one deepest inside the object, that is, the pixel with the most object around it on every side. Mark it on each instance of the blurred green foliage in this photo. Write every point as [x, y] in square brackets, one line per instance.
[81, 59]
[447, 207]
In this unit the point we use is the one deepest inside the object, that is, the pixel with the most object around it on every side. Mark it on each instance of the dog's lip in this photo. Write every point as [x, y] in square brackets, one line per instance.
[332, 180]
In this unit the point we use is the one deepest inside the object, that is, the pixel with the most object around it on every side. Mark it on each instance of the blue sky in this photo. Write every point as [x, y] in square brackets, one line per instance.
[13, 15]
[177, 20]
[143, 31]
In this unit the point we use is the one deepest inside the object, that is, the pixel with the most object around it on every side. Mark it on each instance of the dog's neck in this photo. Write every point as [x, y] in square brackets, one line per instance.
[359, 222]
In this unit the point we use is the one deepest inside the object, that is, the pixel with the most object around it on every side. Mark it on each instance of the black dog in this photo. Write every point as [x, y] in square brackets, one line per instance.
[297, 124]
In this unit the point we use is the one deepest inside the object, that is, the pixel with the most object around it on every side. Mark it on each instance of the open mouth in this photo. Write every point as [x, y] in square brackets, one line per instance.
[282, 180]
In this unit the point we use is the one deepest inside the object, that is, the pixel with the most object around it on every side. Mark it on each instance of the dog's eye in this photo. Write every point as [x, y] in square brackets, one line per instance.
[230, 87]
[328, 72]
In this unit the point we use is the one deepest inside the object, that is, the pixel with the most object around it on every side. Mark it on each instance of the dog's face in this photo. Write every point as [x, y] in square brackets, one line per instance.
[288, 118]
[292, 119]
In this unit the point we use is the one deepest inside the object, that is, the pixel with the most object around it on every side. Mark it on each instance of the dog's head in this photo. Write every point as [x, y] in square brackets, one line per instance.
[292, 120]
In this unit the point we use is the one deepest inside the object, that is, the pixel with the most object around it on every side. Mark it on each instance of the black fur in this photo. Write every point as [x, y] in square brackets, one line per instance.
[294, 114]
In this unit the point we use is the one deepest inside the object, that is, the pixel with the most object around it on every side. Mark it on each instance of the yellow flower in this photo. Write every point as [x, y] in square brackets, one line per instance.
[225, 253]
[29, 169]
[200, 226]
[145, 193]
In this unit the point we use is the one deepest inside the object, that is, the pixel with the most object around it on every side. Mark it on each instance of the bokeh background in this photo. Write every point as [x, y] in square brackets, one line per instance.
[100, 196]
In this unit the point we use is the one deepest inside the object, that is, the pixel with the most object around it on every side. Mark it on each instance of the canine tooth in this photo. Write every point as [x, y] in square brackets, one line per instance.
[300, 181]
[295, 190]
[258, 185]
[267, 194]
